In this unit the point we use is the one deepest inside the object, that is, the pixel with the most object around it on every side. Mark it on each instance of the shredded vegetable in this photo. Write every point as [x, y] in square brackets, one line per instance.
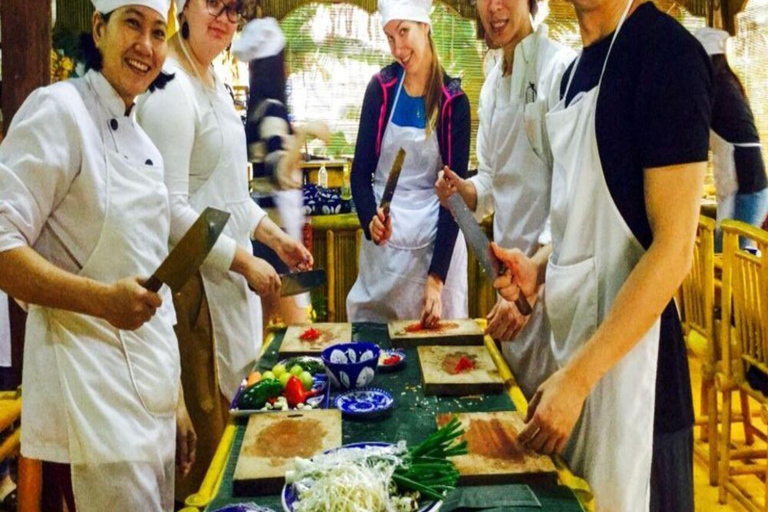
[388, 478]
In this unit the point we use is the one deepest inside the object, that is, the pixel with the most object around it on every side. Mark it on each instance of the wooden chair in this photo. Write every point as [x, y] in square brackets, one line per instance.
[697, 297]
[744, 345]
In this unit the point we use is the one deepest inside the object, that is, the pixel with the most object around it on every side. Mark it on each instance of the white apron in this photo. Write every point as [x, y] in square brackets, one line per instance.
[594, 253]
[521, 196]
[724, 171]
[391, 279]
[235, 310]
[119, 388]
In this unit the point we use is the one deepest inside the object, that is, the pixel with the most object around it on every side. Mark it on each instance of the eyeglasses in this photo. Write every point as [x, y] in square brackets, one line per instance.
[217, 7]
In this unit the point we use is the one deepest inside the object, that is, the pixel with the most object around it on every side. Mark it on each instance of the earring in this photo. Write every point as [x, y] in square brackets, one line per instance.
[185, 30]
[229, 46]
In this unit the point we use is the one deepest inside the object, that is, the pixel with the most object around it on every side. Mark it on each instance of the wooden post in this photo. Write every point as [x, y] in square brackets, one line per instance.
[26, 29]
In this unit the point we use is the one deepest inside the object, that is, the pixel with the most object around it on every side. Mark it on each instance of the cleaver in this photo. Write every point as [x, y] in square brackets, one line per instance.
[481, 246]
[300, 282]
[185, 259]
[394, 175]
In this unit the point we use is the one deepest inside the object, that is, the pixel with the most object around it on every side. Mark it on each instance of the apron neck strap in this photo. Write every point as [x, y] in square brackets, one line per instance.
[608, 55]
[613, 39]
[397, 97]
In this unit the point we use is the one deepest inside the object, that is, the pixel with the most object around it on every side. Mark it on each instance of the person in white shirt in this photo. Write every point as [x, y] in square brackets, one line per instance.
[194, 124]
[515, 168]
[84, 220]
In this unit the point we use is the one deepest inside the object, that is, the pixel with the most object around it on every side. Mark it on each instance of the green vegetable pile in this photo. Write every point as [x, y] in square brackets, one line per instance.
[426, 467]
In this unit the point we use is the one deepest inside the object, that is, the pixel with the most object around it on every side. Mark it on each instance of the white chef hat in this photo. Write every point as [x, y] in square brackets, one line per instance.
[712, 39]
[107, 6]
[261, 38]
[411, 10]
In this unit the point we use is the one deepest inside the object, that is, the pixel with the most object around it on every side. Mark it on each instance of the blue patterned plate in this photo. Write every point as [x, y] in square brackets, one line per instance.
[290, 498]
[364, 403]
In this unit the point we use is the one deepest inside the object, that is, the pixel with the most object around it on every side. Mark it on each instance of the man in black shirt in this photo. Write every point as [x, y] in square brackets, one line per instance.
[633, 131]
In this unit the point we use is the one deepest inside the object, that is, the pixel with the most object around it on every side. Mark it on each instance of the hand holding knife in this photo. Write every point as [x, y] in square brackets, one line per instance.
[481, 246]
[381, 228]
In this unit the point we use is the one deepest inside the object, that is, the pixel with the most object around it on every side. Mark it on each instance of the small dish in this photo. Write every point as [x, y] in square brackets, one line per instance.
[364, 403]
[396, 358]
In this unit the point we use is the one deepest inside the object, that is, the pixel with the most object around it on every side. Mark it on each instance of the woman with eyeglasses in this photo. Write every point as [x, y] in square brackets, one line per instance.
[194, 124]
[84, 221]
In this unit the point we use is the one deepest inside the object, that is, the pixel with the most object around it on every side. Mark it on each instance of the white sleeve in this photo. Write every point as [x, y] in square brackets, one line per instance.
[483, 180]
[168, 117]
[39, 159]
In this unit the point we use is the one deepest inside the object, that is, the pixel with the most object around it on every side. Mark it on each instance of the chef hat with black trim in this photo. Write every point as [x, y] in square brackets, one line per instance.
[410, 10]
[261, 38]
[712, 39]
[107, 6]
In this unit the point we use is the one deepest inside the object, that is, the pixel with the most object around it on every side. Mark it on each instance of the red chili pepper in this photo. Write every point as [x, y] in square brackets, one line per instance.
[464, 363]
[295, 393]
[393, 359]
[310, 334]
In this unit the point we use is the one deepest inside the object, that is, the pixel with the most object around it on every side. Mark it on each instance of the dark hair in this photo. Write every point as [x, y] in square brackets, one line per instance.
[533, 7]
[722, 71]
[267, 79]
[90, 55]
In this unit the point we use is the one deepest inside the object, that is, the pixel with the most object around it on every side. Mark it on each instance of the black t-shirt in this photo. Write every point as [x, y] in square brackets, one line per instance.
[653, 110]
[732, 119]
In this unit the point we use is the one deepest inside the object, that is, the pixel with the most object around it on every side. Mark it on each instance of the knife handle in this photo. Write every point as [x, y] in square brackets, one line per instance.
[522, 304]
[153, 284]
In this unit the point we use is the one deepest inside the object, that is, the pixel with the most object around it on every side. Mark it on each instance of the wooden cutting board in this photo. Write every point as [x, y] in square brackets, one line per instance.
[495, 456]
[272, 441]
[438, 375]
[408, 333]
[330, 334]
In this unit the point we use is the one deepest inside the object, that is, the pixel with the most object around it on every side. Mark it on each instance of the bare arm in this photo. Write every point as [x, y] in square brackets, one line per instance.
[657, 275]
[27, 276]
[556, 407]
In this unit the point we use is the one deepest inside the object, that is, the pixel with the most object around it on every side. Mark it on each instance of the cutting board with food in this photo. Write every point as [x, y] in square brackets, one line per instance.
[312, 339]
[458, 371]
[271, 442]
[410, 333]
[494, 454]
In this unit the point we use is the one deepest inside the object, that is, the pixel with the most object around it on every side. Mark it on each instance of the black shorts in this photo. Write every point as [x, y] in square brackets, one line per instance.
[672, 472]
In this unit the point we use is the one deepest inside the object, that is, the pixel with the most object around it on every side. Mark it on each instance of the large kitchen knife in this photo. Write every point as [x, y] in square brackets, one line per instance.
[300, 282]
[185, 259]
[394, 175]
[481, 246]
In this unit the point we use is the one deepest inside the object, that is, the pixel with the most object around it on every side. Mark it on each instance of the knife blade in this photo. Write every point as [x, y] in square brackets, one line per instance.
[187, 256]
[394, 175]
[481, 246]
[300, 282]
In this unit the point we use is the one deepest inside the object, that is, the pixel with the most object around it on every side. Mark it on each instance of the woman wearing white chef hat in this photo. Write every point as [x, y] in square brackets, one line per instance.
[195, 126]
[413, 263]
[739, 169]
[84, 212]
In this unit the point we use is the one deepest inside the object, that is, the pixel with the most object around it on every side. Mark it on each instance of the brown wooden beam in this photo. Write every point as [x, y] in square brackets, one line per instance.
[26, 29]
